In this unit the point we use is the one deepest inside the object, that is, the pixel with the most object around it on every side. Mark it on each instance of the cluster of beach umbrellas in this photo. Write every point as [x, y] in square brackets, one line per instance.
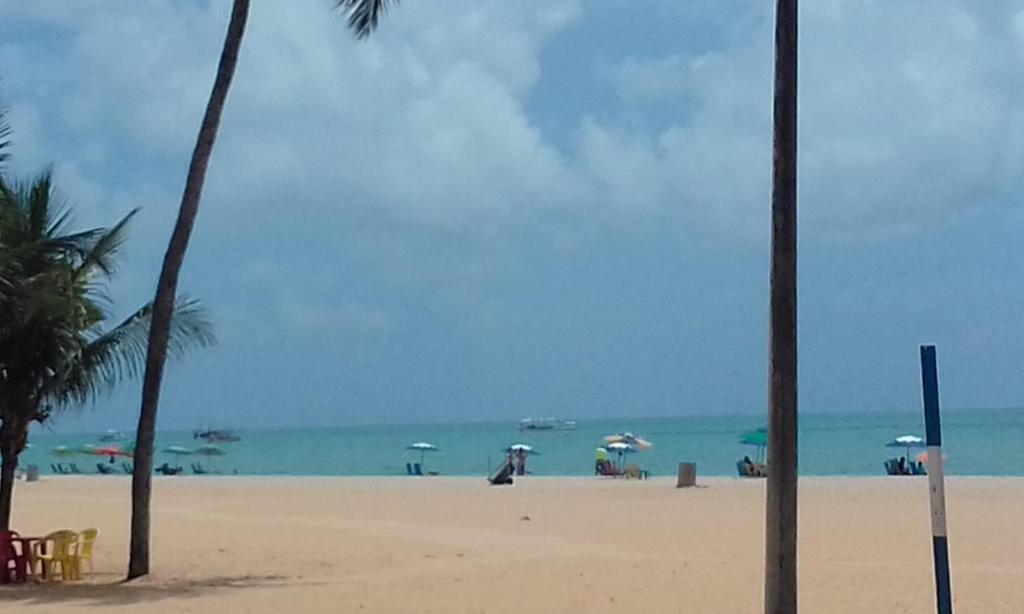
[623, 444]
[129, 451]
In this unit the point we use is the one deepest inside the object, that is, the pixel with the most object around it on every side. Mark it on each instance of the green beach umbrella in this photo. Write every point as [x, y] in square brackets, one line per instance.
[758, 438]
[209, 450]
[63, 451]
[178, 451]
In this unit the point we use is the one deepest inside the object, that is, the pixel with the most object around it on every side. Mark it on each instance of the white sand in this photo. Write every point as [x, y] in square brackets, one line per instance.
[568, 545]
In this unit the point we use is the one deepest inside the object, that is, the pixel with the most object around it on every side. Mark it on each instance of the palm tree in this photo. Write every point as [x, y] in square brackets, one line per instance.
[363, 17]
[57, 349]
[781, 523]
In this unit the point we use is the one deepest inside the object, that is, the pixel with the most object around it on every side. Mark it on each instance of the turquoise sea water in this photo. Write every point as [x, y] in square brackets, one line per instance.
[977, 442]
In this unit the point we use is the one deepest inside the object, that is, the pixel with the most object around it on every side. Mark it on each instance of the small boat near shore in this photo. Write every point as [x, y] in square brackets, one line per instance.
[546, 424]
[216, 435]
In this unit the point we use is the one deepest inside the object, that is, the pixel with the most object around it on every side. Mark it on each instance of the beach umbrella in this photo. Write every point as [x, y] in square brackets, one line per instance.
[178, 451]
[423, 448]
[906, 441]
[62, 451]
[110, 451]
[622, 449]
[209, 450]
[629, 438]
[758, 438]
[517, 447]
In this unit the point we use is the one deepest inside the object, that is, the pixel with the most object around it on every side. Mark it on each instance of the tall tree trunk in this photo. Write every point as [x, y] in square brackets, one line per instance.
[10, 463]
[163, 304]
[12, 441]
[780, 582]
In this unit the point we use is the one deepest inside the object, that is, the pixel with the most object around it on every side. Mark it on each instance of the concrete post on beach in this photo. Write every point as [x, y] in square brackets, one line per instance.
[936, 480]
[687, 475]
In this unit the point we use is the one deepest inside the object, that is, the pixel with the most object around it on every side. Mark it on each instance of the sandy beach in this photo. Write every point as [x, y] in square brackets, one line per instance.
[544, 545]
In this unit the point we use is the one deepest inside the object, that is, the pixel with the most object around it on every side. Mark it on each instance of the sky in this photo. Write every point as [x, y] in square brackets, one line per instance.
[492, 210]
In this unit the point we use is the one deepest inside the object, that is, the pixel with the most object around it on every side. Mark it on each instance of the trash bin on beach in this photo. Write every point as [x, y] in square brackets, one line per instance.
[687, 475]
[32, 473]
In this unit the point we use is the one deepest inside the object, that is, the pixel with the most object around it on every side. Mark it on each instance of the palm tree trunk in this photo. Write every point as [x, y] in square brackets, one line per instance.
[780, 583]
[163, 304]
[11, 435]
[10, 463]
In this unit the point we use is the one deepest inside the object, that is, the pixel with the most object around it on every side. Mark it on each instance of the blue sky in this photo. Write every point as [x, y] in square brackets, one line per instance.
[492, 210]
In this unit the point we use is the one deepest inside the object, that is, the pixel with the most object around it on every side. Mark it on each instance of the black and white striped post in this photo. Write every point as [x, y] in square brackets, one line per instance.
[936, 480]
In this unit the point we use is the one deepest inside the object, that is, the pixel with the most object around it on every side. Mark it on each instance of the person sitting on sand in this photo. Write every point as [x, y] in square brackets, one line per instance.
[521, 463]
[748, 466]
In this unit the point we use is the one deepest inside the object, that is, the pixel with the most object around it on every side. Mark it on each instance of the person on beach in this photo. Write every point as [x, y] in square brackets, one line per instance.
[521, 463]
[902, 465]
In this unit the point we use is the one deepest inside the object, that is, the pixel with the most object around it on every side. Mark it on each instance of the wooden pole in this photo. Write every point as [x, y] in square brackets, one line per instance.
[780, 580]
[936, 479]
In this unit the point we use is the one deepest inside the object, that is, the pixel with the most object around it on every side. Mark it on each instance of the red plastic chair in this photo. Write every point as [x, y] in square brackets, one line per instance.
[14, 565]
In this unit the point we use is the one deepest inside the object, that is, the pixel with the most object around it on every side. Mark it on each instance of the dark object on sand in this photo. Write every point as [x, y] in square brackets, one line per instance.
[503, 475]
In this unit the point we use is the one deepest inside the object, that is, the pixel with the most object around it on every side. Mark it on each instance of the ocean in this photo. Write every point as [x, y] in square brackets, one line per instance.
[979, 442]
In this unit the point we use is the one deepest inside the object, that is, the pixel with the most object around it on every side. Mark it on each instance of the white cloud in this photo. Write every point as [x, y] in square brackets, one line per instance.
[908, 111]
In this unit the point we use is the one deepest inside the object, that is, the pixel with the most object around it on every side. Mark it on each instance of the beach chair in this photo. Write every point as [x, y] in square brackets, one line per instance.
[609, 469]
[129, 469]
[743, 469]
[74, 468]
[59, 548]
[408, 469]
[632, 471]
[892, 467]
[417, 469]
[85, 541]
[104, 469]
[14, 564]
[197, 469]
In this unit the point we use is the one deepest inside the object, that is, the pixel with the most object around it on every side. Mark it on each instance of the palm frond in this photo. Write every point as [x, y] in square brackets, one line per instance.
[38, 205]
[5, 141]
[120, 353]
[363, 15]
[100, 254]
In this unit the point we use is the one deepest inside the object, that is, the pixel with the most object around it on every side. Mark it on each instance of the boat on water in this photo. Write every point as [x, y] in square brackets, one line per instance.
[546, 424]
[216, 435]
[113, 435]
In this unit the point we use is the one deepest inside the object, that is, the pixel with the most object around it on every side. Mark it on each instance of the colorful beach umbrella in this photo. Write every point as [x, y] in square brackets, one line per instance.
[110, 451]
[629, 438]
[423, 447]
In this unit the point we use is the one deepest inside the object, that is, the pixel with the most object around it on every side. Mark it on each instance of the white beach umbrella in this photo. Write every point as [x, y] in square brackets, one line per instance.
[516, 447]
[906, 441]
[622, 449]
[423, 448]
[634, 440]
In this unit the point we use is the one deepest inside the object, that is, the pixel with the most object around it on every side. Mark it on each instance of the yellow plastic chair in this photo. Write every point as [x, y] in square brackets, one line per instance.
[61, 549]
[85, 541]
